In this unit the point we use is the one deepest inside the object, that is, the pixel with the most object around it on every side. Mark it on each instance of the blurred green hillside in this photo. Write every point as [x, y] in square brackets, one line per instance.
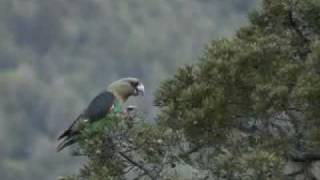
[56, 55]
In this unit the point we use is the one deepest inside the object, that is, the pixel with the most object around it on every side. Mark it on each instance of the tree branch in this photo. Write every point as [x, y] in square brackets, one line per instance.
[293, 23]
[303, 157]
[138, 165]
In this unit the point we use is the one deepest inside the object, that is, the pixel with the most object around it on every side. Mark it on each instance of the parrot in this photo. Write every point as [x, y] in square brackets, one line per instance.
[106, 102]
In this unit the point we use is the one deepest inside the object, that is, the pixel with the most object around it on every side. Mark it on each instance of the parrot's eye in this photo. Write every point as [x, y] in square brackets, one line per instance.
[134, 83]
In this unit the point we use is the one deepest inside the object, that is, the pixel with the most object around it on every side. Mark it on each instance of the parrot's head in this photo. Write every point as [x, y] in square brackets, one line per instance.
[126, 87]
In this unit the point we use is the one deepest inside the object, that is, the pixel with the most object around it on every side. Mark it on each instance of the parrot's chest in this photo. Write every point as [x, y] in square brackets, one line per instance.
[116, 107]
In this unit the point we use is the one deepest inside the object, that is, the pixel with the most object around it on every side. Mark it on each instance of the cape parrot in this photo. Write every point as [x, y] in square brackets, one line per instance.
[110, 100]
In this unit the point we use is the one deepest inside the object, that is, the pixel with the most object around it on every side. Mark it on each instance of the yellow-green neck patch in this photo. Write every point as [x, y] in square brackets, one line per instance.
[117, 107]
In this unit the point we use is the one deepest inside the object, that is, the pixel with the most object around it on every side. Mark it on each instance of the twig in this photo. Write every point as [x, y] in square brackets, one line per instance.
[303, 157]
[191, 151]
[140, 176]
[134, 163]
[294, 25]
[299, 32]
[129, 169]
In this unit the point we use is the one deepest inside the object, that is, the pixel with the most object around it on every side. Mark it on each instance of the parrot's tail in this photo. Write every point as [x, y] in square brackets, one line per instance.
[65, 143]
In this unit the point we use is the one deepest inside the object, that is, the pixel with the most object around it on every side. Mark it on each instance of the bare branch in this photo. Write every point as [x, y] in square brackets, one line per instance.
[138, 165]
[304, 157]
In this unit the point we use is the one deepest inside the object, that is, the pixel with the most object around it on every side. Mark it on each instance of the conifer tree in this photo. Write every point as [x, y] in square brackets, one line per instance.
[254, 98]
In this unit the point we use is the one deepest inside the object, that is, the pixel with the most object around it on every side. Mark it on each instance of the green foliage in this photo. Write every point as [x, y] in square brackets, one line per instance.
[267, 73]
[94, 141]
[112, 145]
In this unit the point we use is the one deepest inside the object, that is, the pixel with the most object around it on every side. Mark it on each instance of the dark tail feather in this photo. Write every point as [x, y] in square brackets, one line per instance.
[69, 131]
[65, 143]
[65, 134]
[69, 135]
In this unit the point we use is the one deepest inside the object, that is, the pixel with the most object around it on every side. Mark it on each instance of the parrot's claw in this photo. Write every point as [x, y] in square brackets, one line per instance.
[131, 108]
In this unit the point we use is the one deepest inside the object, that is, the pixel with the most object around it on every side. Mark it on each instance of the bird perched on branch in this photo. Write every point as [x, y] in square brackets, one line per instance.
[107, 101]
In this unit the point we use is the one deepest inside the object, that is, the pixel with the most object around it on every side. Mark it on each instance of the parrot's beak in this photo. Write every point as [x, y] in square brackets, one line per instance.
[140, 89]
